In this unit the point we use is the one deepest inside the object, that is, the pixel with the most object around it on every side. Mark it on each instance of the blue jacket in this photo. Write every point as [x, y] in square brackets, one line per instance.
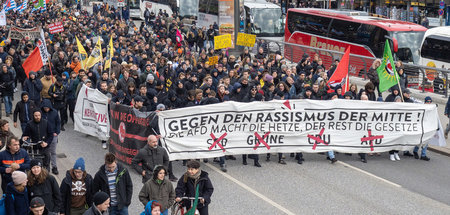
[16, 203]
[6, 159]
[33, 88]
[52, 117]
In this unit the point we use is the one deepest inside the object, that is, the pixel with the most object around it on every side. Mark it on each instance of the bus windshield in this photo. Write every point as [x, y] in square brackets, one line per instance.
[267, 22]
[134, 4]
[408, 45]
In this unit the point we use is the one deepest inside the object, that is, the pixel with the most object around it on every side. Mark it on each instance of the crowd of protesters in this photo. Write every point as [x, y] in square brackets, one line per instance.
[151, 70]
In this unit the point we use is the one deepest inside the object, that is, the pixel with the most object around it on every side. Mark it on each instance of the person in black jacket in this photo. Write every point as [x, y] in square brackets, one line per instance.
[54, 125]
[44, 185]
[119, 187]
[187, 184]
[7, 88]
[24, 109]
[57, 92]
[76, 189]
[38, 130]
[33, 86]
[149, 157]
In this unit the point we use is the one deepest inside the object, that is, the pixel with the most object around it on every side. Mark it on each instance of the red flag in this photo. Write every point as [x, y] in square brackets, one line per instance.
[340, 75]
[33, 62]
[179, 37]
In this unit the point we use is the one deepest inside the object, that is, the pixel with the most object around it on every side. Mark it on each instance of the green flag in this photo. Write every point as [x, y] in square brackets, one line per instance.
[386, 72]
[194, 207]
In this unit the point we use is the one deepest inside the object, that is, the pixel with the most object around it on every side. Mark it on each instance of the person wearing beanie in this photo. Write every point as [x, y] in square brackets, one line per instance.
[12, 159]
[44, 185]
[23, 108]
[76, 190]
[100, 205]
[158, 188]
[16, 202]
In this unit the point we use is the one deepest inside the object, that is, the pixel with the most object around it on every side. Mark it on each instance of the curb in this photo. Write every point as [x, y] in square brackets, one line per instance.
[440, 150]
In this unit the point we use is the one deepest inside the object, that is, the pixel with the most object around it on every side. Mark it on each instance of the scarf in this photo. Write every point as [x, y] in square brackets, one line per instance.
[196, 177]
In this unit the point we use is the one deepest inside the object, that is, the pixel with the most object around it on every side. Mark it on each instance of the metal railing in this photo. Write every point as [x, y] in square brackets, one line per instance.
[420, 77]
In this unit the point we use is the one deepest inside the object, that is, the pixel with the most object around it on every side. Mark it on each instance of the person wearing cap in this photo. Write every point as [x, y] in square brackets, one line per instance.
[16, 202]
[12, 159]
[100, 205]
[42, 184]
[76, 190]
[158, 188]
[407, 96]
[33, 86]
[149, 157]
[138, 103]
[7, 88]
[47, 81]
[23, 109]
[37, 207]
[114, 179]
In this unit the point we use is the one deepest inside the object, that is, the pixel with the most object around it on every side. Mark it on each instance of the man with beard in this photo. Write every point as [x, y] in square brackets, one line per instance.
[37, 130]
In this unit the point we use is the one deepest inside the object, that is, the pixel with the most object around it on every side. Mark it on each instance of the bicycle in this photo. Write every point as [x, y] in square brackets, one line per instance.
[33, 149]
[179, 209]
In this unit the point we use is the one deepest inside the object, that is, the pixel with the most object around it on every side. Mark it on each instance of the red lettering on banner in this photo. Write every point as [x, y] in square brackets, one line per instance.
[88, 113]
[317, 139]
[56, 27]
[371, 138]
[217, 141]
[122, 149]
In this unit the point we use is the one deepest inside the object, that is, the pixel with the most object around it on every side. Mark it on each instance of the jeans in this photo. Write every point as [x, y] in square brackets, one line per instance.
[71, 103]
[23, 126]
[330, 154]
[222, 161]
[114, 210]
[53, 151]
[424, 150]
[8, 104]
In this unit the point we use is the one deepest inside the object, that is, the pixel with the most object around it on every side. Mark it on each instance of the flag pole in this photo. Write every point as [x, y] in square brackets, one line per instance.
[399, 87]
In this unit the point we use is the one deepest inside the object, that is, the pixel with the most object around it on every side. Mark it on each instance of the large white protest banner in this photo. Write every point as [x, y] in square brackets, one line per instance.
[91, 113]
[295, 126]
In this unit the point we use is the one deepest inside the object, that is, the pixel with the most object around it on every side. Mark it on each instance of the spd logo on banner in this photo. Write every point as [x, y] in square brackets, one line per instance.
[222, 41]
[246, 40]
[56, 27]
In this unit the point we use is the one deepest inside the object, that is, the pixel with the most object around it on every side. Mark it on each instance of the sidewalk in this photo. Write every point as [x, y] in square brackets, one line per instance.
[418, 94]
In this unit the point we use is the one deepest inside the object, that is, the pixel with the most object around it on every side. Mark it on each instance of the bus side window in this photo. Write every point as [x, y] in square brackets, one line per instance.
[308, 24]
[344, 30]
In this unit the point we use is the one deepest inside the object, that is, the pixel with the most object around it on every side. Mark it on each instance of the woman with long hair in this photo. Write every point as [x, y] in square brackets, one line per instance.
[5, 133]
[160, 189]
[44, 185]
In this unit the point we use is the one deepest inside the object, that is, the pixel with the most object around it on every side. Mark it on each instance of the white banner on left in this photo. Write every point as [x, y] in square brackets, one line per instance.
[91, 113]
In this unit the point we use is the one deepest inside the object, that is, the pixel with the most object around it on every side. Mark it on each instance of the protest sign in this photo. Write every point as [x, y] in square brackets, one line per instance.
[213, 60]
[91, 113]
[22, 33]
[222, 41]
[129, 131]
[246, 39]
[56, 27]
[233, 128]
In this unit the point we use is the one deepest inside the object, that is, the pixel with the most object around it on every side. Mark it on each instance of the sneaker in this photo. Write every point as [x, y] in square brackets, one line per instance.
[333, 160]
[231, 157]
[15, 89]
[300, 161]
[7, 114]
[407, 153]
[205, 160]
[267, 159]
[416, 155]
[55, 171]
[291, 155]
[396, 156]
[425, 158]
[244, 162]
[216, 160]
[363, 160]
[223, 168]
[282, 162]
[392, 157]
[104, 146]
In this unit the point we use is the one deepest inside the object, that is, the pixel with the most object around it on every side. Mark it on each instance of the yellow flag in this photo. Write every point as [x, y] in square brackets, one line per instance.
[83, 54]
[261, 81]
[109, 54]
[96, 55]
[2, 43]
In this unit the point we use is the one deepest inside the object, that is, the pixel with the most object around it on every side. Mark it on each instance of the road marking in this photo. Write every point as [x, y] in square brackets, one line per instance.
[369, 174]
[256, 193]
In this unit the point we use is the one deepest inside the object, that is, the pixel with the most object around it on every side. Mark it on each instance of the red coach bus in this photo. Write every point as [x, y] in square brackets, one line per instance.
[338, 29]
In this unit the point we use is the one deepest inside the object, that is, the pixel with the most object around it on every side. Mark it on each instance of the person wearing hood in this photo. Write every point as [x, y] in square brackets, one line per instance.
[58, 92]
[33, 86]
[394, 93]
[158, 188]
[24, 109]
[120, 98]
[149, 157]
[54, 125]
[76, 190]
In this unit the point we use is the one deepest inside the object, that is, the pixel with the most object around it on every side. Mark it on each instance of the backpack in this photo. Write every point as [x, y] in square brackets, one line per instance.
[3, 204]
